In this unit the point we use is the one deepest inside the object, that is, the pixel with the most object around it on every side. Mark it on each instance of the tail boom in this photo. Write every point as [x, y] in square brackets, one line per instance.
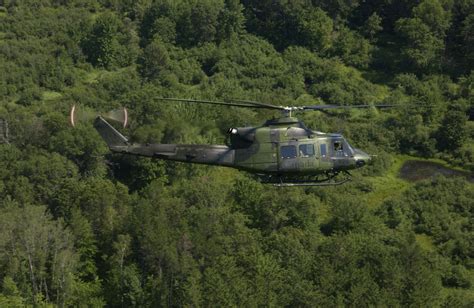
[191, 153]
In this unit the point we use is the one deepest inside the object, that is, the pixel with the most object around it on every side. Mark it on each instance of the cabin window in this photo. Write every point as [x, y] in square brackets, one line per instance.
[323, 150]
[306, 150]
[288, 151]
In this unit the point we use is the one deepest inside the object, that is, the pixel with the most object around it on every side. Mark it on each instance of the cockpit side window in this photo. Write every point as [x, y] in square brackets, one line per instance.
[323, 150]
[288, 151]
[341, 148]
[306, 150]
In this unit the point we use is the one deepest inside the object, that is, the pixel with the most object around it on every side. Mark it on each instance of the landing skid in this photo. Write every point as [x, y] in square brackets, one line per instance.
[309, 183]
[328, 180]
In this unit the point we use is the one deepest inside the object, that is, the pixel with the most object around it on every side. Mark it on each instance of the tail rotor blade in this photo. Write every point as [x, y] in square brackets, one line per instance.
[117, 115]
[79, 114]
[72, 117]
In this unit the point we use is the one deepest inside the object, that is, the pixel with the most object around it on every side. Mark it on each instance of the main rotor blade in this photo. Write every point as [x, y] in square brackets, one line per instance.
[324, 107]
[259, 104]
[244, 104]
[253, 104]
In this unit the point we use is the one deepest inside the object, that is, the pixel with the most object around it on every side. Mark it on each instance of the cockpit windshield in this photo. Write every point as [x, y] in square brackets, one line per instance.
[350, 150]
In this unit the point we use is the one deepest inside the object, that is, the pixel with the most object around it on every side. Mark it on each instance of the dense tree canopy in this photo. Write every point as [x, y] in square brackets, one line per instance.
[82, 227]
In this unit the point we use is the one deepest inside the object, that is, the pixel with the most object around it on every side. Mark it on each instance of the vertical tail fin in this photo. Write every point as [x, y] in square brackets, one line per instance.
[112, 137]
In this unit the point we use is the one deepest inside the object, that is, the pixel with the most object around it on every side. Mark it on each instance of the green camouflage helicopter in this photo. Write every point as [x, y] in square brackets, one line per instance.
[281, 151]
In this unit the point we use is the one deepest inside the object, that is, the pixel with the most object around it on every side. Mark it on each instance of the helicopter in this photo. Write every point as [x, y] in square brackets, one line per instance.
[282, 151]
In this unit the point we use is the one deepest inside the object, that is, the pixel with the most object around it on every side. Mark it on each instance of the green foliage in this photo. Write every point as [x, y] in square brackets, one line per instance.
[191, 23]
[434, 15]
[198, 22]
[453, 130]
[352, 48]
[424, 35]
[155, 59]
[38, 251]
[373, 26]
[81, 145]
[231, 20]
[10, 296]
[290, 23]
[315, 29]
[423, 47]
[467, 34]
[438, 209]
[110, 42]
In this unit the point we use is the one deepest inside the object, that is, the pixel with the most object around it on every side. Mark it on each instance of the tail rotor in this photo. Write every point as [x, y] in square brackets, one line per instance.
[83, 114]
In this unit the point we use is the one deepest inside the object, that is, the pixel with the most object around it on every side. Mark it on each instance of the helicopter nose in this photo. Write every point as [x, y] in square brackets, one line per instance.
[361, 158]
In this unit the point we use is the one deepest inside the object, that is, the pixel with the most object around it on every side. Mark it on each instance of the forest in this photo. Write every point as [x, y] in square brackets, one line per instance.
[82, 227]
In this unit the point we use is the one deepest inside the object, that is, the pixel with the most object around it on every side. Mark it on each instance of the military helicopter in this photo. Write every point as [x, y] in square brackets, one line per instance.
[282, 151]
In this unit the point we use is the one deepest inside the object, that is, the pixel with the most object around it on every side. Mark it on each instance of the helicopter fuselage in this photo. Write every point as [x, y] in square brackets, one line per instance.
[281, 147]
[285, 146]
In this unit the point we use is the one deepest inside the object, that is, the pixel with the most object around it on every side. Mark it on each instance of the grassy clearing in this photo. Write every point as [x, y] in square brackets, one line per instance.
[390, 184]
[95, 75]
[425, 242]
[92, 77]
[387, 185]
[51, 95]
